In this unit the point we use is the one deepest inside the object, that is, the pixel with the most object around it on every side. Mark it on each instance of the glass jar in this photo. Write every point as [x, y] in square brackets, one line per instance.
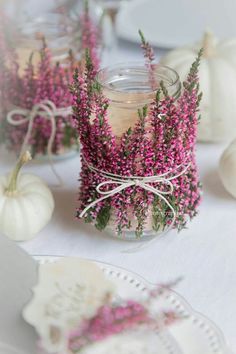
[55, 28]
[50, 20]
[58, 21]
[129, 88]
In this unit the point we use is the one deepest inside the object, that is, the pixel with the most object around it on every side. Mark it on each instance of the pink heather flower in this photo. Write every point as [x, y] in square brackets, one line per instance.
[108, 321]
[113, 319]
[149, 55]
[90, 37]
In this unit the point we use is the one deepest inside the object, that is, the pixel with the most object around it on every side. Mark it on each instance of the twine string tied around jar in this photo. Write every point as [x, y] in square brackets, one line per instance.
[125, 182]
[47, 110]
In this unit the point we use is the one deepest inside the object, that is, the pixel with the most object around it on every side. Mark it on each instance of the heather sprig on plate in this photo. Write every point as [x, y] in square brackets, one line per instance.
[119, 320]
[114, 321]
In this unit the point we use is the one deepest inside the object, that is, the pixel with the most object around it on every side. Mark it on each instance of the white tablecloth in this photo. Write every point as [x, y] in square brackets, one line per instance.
[204, 254]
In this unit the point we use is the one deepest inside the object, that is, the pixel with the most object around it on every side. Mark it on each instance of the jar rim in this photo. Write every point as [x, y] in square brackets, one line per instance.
[140, 67]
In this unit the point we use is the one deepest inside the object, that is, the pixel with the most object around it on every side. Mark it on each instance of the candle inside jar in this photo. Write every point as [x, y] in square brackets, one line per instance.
[34, 33]
[122, 117]
[23, 57]
[130, 89]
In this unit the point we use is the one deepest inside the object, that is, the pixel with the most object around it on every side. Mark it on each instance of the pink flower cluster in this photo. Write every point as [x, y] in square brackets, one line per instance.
[163, 139]
[150, 57]
[115, 319]
[108, 322]
[90, 36]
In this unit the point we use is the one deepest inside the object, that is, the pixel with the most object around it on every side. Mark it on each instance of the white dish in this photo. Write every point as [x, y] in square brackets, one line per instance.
[193, 335]
[175, 23]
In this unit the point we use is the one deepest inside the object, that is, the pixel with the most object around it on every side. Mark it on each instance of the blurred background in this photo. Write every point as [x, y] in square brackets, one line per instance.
[166, 24]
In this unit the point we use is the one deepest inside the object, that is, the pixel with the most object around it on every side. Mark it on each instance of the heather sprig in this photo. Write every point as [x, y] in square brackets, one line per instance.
[90, 36]
[110, 320]
[113, 319]
[149, 56]
[147, 48]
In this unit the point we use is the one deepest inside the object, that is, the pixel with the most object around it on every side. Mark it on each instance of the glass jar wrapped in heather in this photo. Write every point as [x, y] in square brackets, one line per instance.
[138, 133]
[35, 102]
[37, 107]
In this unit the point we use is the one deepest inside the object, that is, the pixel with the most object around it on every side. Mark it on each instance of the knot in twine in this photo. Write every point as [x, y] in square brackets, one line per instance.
[145, 183]
[48, 111]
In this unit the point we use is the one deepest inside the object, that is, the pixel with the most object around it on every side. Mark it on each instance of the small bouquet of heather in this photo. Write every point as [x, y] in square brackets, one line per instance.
[117, 328]
[145, 180]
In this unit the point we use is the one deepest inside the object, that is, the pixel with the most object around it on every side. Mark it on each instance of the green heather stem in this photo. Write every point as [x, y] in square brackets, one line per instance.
[143, 40]
[12, 186]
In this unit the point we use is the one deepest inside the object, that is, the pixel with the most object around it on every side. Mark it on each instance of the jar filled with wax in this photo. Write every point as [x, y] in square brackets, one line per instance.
[128, 88]
[138, 133]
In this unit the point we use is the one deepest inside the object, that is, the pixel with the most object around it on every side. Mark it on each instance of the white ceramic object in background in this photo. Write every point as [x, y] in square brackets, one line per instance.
[217, 77]
[22, 10]
[176, 23]
[227, 168]
[193, 335]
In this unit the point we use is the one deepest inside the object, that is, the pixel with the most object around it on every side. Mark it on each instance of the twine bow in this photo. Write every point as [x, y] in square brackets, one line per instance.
[45, 109]
[124, 182]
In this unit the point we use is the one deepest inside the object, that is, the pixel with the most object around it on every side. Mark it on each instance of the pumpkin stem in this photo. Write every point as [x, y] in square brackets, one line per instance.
[208, 44]
[12, 186]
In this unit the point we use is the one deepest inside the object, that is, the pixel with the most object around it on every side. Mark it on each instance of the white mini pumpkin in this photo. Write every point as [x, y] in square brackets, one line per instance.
[227, 168]
[26, 203]
[217, 76]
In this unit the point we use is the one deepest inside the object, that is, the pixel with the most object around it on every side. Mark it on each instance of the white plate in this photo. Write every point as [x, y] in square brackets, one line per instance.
[193, 335]
[177, 22]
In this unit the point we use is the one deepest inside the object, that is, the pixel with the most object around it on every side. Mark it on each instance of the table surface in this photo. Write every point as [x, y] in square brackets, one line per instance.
[203, 254]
